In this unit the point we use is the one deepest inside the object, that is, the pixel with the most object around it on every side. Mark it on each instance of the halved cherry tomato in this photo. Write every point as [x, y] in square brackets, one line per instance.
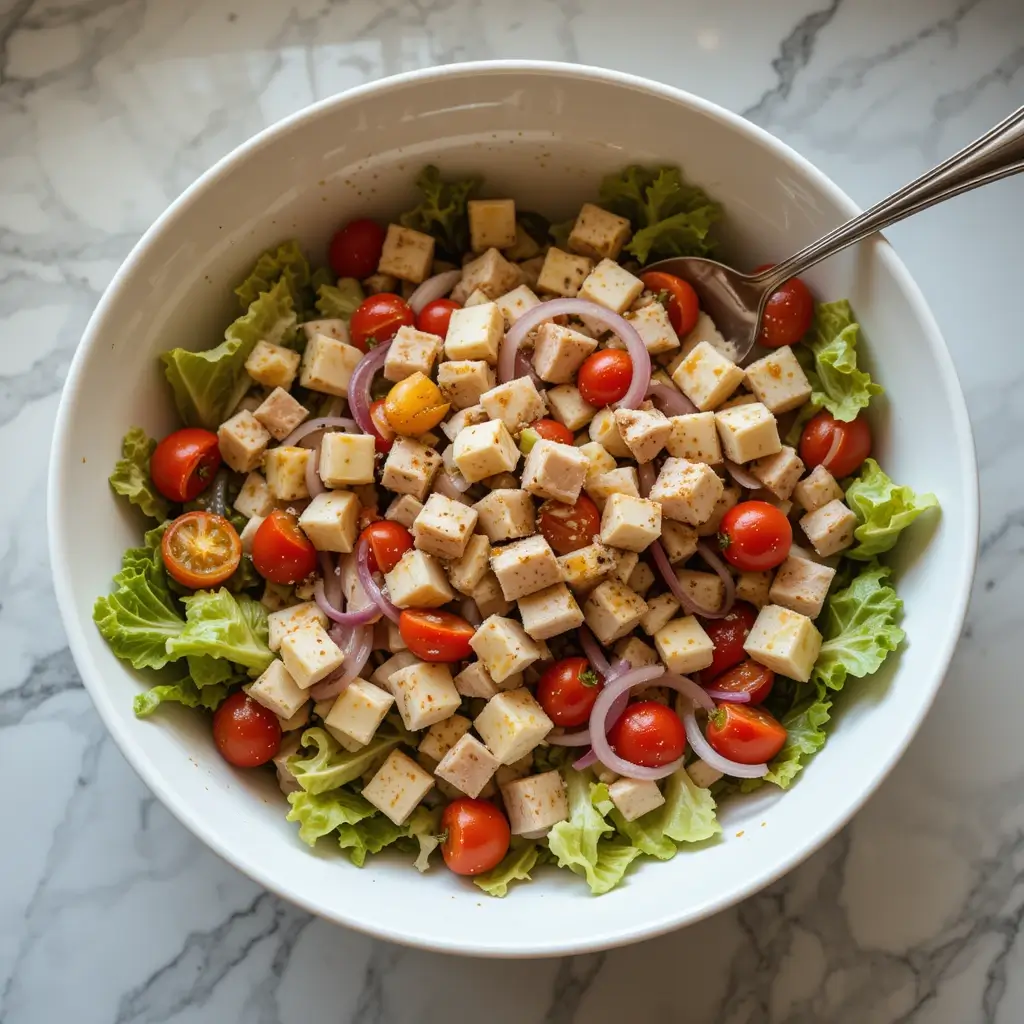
[476, 836]
[648, 734]
[436, 636]
[728, 634]
[567, 691]
[356, 248]
[747, 677]
[789, 313]
[435, 316]
[568, 528]
[368, 514]
[200, 549]
[745, 733]
[384, 436]
[378, 319]
[755, 536]
[387, 541]
[415, 405]
[552, 430]
[683, 304]
[605, 376]
[184, 462]
[853, 448]
[246, 733]
[281, 552]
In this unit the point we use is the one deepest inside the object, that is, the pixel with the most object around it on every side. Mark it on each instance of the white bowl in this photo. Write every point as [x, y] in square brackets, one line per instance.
[543, 133]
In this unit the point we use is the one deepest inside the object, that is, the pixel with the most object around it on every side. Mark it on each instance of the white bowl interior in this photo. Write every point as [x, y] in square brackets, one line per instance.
[545, 135]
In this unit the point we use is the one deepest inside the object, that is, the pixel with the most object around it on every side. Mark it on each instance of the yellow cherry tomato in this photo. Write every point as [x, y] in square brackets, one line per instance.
[415, 405]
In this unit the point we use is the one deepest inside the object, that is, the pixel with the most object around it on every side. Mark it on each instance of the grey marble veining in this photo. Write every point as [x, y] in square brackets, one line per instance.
[109, 910]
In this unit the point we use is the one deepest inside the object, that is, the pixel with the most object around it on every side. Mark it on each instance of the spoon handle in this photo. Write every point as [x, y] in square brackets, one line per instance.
[996, 154]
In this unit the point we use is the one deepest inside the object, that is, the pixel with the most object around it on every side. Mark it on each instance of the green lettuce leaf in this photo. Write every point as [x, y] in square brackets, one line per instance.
[424, 825]
[368, 836]
[318, 814]
[805, 735]
[208, 671]
[131, 477]
[339, 301]
[516, 866]
[208, 385]
[331, 766]
[183, 691]
[288, 264]
[884, 510]
[224, 626]
[838, 385]
[442, 211]
[859, 628]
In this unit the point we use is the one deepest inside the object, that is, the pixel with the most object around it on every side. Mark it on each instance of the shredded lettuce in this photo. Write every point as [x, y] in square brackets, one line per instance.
[182, 691]
[516, 866]
[225, 626]
[288, 264]
[805, 735]
[442, 211]
[206, 670]
[884, 510]
[319, 814]
[131, 477]
[331, 766]
[424, 826]
[339, 301]
[368, 836]
[838, 385]
[208, 385]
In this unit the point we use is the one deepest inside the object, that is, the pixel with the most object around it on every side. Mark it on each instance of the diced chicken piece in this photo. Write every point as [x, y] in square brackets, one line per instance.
[404, 509]
[830, 528]
[463, 418]
[475, 681]
[549, 612]
[554, 470]
[705, 332]
[612, 286]
[466, 572]
[684, 646]
[753, 587]
[490, 273]
[506, 514]
[624, 481]
[443, 527]
[705, 589]
[358, 711]
[779, 472]
[740, 398]
[678, 540]
[655, 329]
[485, 449]
[645, 431]
[463, 381]
[468, 766]
[418, 581]
[297, 721]
[382, 675]
[425, 694]
[523, 248]
[333, 327]
[407, 254]
[702, 774]
[563, 273]
[601, 461]
[801, 585]
[747, 432]
[516, 403]
[694, 437]
[242, 441]
[605, 431]
[729, 497]
[442, 736]
[612, 610]
[488, 598]
[331, 521]
[816, 489]
[411, 351]
[707, 377]
[641, 579]
[625, 563]
[779, 381]
[398, 786]
[512, 724]
[558, 352]
[632, 524]
[310, 654]
[636, 652]
[598, 233]
[327, 365]
[273, 366]
[280, 413]
[660, 612]
[687, 491]
[569, 407]
[285, 469]
[586, 566]
[535, 803]
[635, 797]
[784, 641]
[410, 468]
[346, 459]
[254, 499]
[492, 224]
[504, 648]
[277, 690]
[525, 566]
[515, 303]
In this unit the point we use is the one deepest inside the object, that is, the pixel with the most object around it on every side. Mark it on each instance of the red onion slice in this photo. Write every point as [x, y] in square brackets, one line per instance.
[727, 696]
[669, 400]
[716, 563]
[610, 321]
[742, 476]
[688, 688]
[436, 287]
[342, 423]
[356, 648]
[371, 586]
[314, 484]
[700, 746]
[331, 577]
[833, 448]
[359, 386]
[593, 653]
[688, 604]
[371, 613]
[579, 738]
[614, 714]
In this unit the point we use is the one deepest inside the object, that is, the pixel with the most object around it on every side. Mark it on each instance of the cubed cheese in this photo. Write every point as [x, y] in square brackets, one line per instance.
[331, 521]
[555, 470]
[549, 612]
[535, 803]
[655, 329]
[410, 468]
[444, 527]
[779, 381]
[641, 579]
[475, 681]
[684, 646]
[525, 566]
[398, 786]
[645, 431]
[468, 766]
[704, 589]
[463, 381]
[407, 254]
[310, 654]
[706, 377]
[465, 573]
[816, 489]
[705, 332]
[611, 286]
[568, 406]
[636, 652]
[619, 481]
[512, 724]
[635, 797]
[411, 351]
[830, 528]
[784, 641]
[484, 449]
[524, 247]
[490, 273]
[598, 233]
[516, 403]
[612, 610]
[254, 499]
[506, 514]
[625, 563]
[375, 284]
[504, 648]
[327, 365]
[563, 273]
[404, 509]
[586, 566]
[418, 581]
[694, 437]
[687, 491]
[702, 774]
[779, 472]
[277, 690]
[273, 366]
[515, 303]
[333, 327]
[346, 459]
[753, 587]
[492, 224]
[442, 736]
[248, 534]
[678, 540]
[747, 432]
[358, 711]
[605, 431]
[424, 693]
[488, 598]
[474, 333]
[630, 523]
[383, 673]
[242, 441]
[280, 413]
[285, 469]
[801, 585]
[558, 352]
[660, 612]
[601, 461]
[726, 500]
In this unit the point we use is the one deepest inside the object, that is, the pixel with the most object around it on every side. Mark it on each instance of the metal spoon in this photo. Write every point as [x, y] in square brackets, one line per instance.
[736, 302]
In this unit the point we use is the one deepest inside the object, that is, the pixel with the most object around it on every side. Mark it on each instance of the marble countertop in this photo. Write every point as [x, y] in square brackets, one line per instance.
[109, 910]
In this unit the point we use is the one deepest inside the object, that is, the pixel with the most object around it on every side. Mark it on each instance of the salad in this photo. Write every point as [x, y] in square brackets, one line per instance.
[482, 541]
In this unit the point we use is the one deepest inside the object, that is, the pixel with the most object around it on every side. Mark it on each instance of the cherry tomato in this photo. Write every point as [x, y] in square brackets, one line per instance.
[728, 634]
[755, 536]
[281, 552]
[853, 448]
[789, 313]
[378, 319]
[435, 316]
[476, 836]
[246, 733]
[568, 528]
[184, 462]
[605, 376]
[552, 430]
[745, 733]
[387, 541]
[567, 691]
[384, 435]
[683, 304]
[747, 677]
[648, 734]
[356, 248]
[436, 636]
[200, 549]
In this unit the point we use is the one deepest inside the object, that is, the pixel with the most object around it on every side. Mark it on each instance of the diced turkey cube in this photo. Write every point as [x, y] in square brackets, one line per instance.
[418, 581]
[684, 646]
[635, 797]
[492, 224]
[816, 489]
[779, 381]
[466, 572]
[801, 585]
[398, 786]
[641, 579]
[475, 681]
[442, 736]
[563, 273]
[506, 514]
[407, 254]
[254, 499]
[630, 523]
[747, 432]
[515, 303]
[660, 612]
[425, 694]
[358, 711]
[535, 803]
[554, 470]
[601, 461]
[310, 654]
[516, 403]
[504, 647]
[463, 381]
[753, 587]
[569, 407]
[346, 459]
[655, 329]
[612, 610]
[558, 352]
[702, 774]
[525, 566]
[488, 598]
[586, 566]
[549, 612]
[277, 690]
[694, 437]
[512, 724]
[678, 540]
[280, 413]
[645, 431]
[299, 720]
[327, 365]
[727, 499]
[273, 366]
[784, 641]
[636, 652]
[625, 563]
[779, 472]
[705, 589]
[411, 351]
[382, 675]
[706, 377]
[483, 450]
[623, 480]
[490, 273]
[404, 509]
[410, 468]
[611, 286]
[598, 233]
[285, 469]
[444, 527]
[331, 521]
[687, 491]
[242, 441]
[830, 528]
[468, 766]
[605, 431]
[334, 327]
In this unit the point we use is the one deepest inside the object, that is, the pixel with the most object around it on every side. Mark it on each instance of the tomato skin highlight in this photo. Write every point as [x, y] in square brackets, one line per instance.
[683, 304]
[355, 249]
[568, 528]
[567, 691]
[435, 316]
[436, 636]
[378, 319]
[605, 376]
[183, 463]
[789, 313]
[744, 733]
[552, 430]
[755, 536]
[386, 542]
[200, 549]
[728, 634]
[246, 733]
[477, 836]
[747, 677]
[854, 444]
[281, 552]
[648, 734]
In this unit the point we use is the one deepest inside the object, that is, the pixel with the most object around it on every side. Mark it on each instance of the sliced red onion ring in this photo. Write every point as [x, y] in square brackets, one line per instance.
[579, 738]
[742, 476]
[342, 423]
[610, 321]
[669, 400]
[690, 606]
[714, 560]
[436, 287]
[356, 647]
[371, 586]
[593, 652]
[727, 696]
[524, 368]
[688, 688]
[331, 577]
[357, 618]
[359, 386]
[314, 484]
[707, 753]
[833, 448]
